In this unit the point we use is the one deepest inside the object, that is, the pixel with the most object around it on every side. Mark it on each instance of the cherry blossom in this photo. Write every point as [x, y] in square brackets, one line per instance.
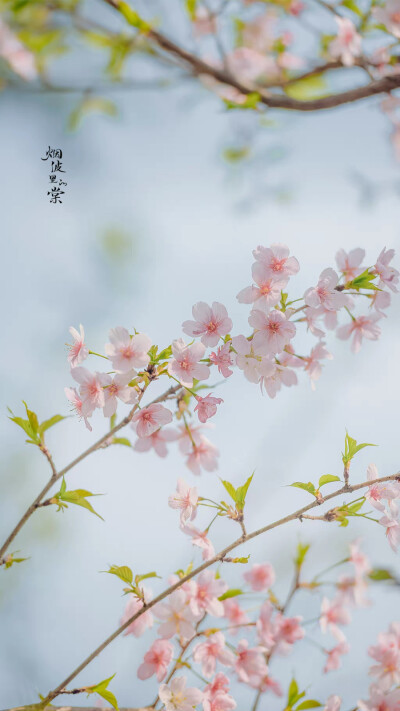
[126, 352]
[177, 616]
[312, 362]
[250, 666]
[334, 655]
[20, 59]
[208, 590]
[273, 330]
[200, 539]
[216, 696]
[203, 456]
[325, 294]
[333, 613]
[287, 631]
[358, 558]
[91, 389]
[267, 291]
[388, 276]
[389, 16]
[387, 655]
[349, 262]
[261, 576]
[211, 323]
[249, 65]
[145, 621]
[78, 351]
[378, 492]
[157, 441]
[264, 625]
[392, 525]
[185, 499]
[333, 703]
[347, 45]
[204, 23]
[212, 650]
[206, 407]
[178, 697]
[279, 376]
[277, 261]
[250, 360]
[185, 363]
[380, 700]
[235, 614]
[118, 387]
[156, 660]
[222, 358]
[150, 418]
[359, 328]
[73, 397]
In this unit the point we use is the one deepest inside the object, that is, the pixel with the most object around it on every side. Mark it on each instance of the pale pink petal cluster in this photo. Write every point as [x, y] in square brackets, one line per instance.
[211, 323]
[185, 363]
[176, 696]
[185, 499]
[149, 419]
[206, 407]
[127, 352]
[78, 350]
[156, 660]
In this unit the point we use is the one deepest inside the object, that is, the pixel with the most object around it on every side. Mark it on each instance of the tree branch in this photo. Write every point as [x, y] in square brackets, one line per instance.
[217, 558]
[58, 475]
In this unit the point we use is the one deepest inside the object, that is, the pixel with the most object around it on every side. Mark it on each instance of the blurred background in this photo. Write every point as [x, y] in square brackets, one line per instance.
[154, 219]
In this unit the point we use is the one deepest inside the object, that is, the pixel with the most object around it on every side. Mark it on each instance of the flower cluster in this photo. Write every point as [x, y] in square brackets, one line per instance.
[267, 355]
[384, 693]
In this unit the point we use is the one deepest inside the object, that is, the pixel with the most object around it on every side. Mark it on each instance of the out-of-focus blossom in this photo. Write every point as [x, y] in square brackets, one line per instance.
[347, 44]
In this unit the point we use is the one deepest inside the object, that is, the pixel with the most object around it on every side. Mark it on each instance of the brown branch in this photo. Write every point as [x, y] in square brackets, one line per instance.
[217, 558]
[58, 475]
[272, 100]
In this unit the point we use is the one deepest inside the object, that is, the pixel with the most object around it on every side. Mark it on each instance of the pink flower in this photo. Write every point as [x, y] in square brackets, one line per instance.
[185, 499]
[387, 654]
[185, 363]
[287, 631]
[91, 389]
[333, 661]
[349, 262]
[333, 613]
[380, 300]
[223, 359]
[234, 613]
[125, 352]
[333, 703]
[212, 650]
[359, 328]
[250, 360]
[260, 577]
[20, 59]
[177, 616]
[347, 45]
[74, 398]
[268, 290]
[352, 591]
[272, 382]
[388, 275]
[380, 700]
[270, 684]
[78, 350]
[392, 525]
[248, 64]
[250, 666]
[273, 330]
[216, 697]
[324, 294]
[211, 322]
[205, 599]
[150, 418]
[156, 660]
[264, 626]
[157, 440]
[176, 697]
[378, 492]
[359, 559]
[203, 455]
[118, 387]
[206, 407]
[204, 22]
[389, 16]
[312, 362]
[142, 623]
[277, 261]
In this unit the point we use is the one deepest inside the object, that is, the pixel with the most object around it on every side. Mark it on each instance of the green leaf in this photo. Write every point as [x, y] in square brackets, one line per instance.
[230, 488]
[101, 690]
[307, 89]
[310, 704]
[241, 493]
[78, 498]
[292, 692]
[165, 354]
[46, 424]
[326, 479]
[233, 592]
[351, 5]
[122, 440]
[191, 8]
[133, 17]
[307, 487]
[363, 281]
[302, 550]
[351, 448]
[251, 102]
[89, 105]
[139, 578]
[378, 574]
[121, 571]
